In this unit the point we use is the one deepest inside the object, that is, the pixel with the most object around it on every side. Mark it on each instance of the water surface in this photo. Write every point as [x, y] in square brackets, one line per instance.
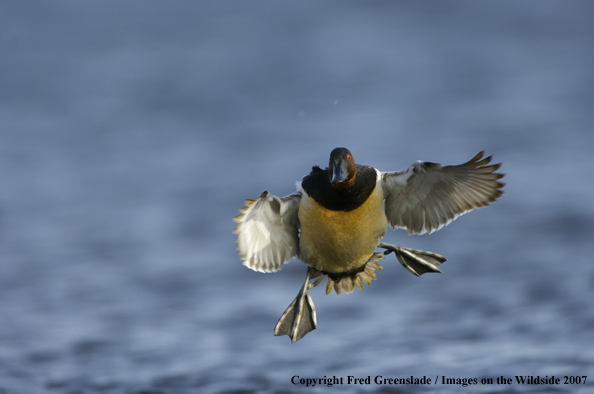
[131, 132]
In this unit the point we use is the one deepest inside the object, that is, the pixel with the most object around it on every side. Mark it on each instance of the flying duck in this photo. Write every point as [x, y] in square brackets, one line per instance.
[338, 216]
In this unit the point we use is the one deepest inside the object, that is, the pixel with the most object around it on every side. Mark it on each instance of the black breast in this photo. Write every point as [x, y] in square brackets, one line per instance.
[317, 186]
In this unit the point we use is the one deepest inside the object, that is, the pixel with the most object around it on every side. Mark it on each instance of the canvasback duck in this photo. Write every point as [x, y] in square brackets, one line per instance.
[338, 216]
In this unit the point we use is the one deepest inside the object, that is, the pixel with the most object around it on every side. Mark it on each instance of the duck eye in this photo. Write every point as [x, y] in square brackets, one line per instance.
[348, 157]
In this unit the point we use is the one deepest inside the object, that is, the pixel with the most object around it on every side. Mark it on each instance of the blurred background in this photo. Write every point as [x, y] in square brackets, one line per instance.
[131, 133]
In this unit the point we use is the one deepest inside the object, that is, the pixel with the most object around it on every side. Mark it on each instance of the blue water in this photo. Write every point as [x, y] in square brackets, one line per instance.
[131, 132]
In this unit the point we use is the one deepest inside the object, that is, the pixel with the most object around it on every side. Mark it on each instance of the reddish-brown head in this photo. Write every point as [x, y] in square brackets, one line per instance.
[341, 168]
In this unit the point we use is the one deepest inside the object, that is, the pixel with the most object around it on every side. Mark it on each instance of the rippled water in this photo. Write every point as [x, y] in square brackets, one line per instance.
[131, 132]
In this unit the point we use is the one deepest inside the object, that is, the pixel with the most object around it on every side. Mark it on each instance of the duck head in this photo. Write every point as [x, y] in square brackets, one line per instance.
[341, 168]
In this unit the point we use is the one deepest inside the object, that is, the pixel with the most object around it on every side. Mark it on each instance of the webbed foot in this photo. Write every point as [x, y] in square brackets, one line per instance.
[418, 262]
[300, 316]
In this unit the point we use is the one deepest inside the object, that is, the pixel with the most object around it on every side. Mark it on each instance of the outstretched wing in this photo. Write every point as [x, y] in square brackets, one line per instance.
[426, 196]
[267, 231]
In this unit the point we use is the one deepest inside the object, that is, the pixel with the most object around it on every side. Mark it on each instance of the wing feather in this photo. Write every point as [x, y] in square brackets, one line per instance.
[268, 231]
[424, 197]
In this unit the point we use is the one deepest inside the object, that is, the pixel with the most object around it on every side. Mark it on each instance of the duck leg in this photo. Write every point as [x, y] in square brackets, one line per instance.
[300, 316]
[418, 262]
